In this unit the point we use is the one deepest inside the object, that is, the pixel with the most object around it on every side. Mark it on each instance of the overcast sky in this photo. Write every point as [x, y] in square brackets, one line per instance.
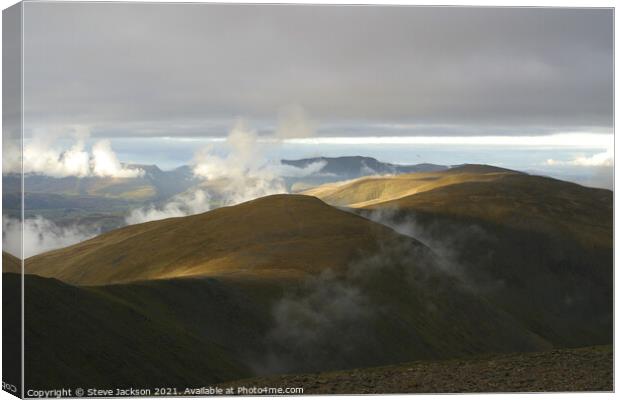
[182, 70]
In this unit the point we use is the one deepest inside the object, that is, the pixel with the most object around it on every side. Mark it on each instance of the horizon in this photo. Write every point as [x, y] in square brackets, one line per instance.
[584, 158]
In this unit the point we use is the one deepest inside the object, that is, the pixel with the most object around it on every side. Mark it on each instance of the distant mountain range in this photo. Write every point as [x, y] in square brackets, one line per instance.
[155, 184]
[103, 202]
[357, 166]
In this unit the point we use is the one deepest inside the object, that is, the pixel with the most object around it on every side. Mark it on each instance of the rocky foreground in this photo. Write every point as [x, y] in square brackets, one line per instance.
[583, 369]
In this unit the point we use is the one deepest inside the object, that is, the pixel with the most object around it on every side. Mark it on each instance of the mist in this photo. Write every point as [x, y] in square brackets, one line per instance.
[190, 203]
[334, 320]
[40, 235]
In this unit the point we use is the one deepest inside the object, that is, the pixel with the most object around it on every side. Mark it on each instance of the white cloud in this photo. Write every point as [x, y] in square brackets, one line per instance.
[242, 173]
[105, 163]
[245, 170]
[42, 155]
[246, 173]
[290, 171]
[604, 159]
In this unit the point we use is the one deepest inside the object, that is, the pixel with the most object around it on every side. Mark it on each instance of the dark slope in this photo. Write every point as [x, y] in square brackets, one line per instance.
[80, 337]
[191, 332]
[539, 248]
[11, 327]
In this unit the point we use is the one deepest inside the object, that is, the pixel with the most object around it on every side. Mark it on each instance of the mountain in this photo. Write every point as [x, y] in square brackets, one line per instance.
[280, 234]
[195, 331]
[356, 166]
[283, 283]
[539, 248]
[369, 190]
[342, 168]
[485, 261]
[491, 194]
[154, 184]
[11, 263]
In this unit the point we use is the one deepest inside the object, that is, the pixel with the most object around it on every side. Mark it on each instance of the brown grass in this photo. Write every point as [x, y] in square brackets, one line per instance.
[282, 234]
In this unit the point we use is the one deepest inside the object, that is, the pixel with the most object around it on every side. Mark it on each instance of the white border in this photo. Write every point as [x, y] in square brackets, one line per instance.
[482, 3]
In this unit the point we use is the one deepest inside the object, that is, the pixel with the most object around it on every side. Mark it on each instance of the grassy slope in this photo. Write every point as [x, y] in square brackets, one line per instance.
[11, 263]
[374, 189]
[191, 331]
[488, 193]
[583, 369]
[525, 202]
[91, 338]
[282, 234]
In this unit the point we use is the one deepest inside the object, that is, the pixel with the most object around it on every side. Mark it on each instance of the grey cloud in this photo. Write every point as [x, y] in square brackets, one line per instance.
[189, 69]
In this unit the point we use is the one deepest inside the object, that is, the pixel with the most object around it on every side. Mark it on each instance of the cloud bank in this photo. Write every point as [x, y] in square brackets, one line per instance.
[466, 67]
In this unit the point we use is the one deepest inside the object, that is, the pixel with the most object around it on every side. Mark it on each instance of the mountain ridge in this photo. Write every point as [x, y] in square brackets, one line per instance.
[293, 228]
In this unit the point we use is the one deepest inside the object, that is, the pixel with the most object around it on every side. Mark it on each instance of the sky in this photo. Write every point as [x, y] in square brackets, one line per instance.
[143, 78]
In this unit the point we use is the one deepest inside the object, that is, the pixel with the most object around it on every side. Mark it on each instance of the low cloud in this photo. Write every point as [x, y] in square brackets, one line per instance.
[244, 172]
[446, 240]
[40, 235]
[290, 171]
[44, 156]
[319, 326]
[236, 171]
[105, 163]
[333, 320]
[184, 204]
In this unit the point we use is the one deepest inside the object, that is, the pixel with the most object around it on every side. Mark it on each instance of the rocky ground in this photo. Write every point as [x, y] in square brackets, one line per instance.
[583, 369]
